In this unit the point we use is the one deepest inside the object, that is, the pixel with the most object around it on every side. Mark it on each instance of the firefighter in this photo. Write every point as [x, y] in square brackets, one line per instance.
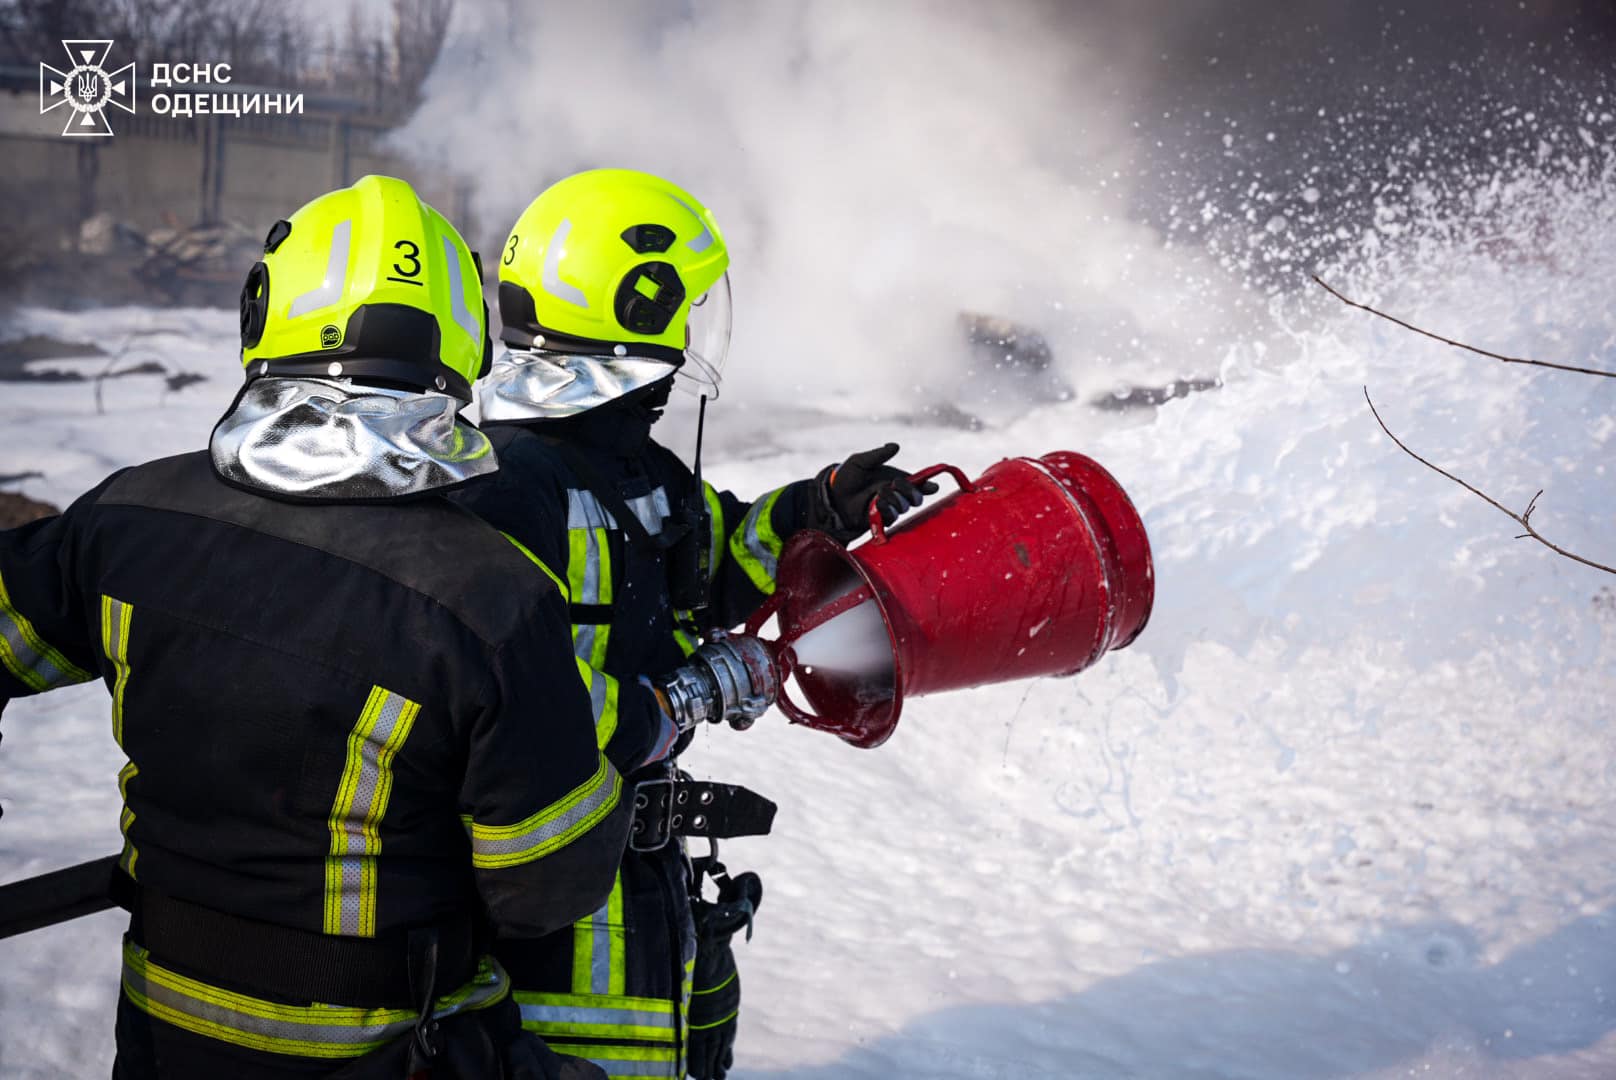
[613, 282]
[357, 747]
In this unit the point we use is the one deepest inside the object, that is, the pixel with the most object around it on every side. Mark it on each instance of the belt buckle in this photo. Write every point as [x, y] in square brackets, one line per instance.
[646, 810]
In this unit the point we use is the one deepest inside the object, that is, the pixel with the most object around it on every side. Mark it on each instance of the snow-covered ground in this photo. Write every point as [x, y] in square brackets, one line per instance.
[1344, 810]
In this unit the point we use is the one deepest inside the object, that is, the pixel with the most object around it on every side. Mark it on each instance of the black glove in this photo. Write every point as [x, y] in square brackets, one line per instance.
[843, 493]
[716, 999]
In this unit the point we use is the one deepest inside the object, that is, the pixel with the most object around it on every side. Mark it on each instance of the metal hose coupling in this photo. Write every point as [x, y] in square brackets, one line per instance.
[730, 678]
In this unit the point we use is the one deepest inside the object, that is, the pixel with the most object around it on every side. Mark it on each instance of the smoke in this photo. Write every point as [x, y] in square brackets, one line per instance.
[878, 169]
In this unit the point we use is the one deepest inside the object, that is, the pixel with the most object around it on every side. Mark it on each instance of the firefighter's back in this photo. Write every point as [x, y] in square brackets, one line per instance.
[294, 686]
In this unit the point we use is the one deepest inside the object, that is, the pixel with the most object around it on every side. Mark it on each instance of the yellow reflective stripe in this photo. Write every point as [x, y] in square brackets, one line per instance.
[687, 986]
[116, 617]
[319, 1031]
[625, 1062]
[589, 641]
[589, 565]
[129, 855]
[603, 545]
[720, 986]
[553, 828]
[549, 573]
[703, 1027]
[577, 562]
[25, 654]
[362, 794]
[755, 544]
[715, 512]
[686, 643]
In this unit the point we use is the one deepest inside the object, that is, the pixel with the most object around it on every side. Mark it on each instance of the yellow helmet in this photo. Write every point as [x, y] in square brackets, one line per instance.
[612, 261]
[367, 281]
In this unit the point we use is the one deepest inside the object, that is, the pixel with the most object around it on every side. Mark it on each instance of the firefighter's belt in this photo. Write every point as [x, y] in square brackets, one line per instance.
[296, 965]
[665, 808]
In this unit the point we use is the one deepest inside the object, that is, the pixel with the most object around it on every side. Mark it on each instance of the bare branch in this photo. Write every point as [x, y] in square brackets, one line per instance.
[1459, 344]
[1523, 520]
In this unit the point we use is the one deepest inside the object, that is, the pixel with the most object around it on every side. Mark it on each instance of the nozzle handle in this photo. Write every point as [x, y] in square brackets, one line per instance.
[878, 529]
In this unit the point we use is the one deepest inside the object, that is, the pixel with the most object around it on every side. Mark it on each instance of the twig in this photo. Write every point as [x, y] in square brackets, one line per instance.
[1523, 520]
[1459, 344]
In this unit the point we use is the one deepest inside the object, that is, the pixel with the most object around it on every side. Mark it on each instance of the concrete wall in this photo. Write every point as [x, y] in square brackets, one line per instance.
[161, 170]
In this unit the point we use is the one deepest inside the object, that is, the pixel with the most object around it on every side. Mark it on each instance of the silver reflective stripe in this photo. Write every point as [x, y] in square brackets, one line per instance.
[552, 269]
[597, 680]
[336, 275]
[584, 511]
[312, 1030]
[600, 953]
[570, 1014]
[115, 628]
[705, 240]
[457, 292]
[652, 510]
[362, 813]
[755, 546]
[583, 647]
[604, 794]
[211, 1013]
[370, 772]
[28, 660]
[27, 656]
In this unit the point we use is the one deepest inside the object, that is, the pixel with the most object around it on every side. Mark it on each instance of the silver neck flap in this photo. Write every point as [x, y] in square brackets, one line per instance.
[330, 439]
[536, 385]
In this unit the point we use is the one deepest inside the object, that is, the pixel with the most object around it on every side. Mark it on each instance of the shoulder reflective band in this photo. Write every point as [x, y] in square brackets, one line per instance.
[553, 828]
[311, 1031]
[755, 544]
[598, 947]
[367, 782]
[26, 655]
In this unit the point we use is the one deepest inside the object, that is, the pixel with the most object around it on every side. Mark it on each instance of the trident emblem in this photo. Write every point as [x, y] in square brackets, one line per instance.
[86, 88]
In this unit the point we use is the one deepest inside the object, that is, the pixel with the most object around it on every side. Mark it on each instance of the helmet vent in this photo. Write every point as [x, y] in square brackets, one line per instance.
[278, 232]
[645, 239]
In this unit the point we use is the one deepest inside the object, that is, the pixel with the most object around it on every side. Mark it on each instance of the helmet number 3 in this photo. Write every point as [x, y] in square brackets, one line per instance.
[407, 270]
[510, 252]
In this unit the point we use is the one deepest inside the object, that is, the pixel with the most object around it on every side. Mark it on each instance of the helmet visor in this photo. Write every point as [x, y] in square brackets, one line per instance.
[707, 340]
